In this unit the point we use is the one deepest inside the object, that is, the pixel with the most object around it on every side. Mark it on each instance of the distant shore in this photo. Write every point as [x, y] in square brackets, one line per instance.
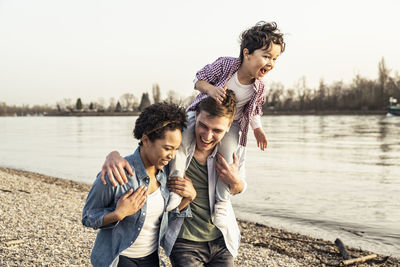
[266, 113]
[137, 113]
[41, 225]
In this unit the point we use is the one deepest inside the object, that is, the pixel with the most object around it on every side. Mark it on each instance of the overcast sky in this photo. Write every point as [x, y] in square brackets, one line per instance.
[51, 49]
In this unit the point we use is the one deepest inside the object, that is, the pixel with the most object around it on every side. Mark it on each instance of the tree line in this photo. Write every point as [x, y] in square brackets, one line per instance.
[362, 94]
[127, 102]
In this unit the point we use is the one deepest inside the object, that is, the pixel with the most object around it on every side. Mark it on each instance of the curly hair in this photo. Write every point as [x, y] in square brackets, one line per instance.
[158, 118]
[226, 109]
[259, 36]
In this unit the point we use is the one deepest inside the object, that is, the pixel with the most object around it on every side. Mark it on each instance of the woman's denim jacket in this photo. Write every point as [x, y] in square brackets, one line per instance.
[112, 239]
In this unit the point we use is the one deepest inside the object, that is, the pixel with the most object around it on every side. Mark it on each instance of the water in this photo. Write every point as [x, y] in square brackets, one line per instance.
[326, 176]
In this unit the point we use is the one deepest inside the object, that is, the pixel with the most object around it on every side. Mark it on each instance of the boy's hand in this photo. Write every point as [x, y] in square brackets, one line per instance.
[261, 138]
[114, 166]
[218, 93]
[130, 203]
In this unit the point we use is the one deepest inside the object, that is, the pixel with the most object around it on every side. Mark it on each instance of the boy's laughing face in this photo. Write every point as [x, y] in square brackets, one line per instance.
[257, 64]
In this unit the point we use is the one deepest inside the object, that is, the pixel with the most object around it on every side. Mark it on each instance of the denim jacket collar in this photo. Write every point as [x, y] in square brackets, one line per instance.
[139, 168]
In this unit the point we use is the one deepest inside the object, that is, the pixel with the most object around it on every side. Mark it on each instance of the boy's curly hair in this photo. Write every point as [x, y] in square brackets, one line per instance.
[158, 118]
[226, 109]
[261, 35]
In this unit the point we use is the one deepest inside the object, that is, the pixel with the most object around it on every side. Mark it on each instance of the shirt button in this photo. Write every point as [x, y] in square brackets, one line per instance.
[139, 228]
[144, 213]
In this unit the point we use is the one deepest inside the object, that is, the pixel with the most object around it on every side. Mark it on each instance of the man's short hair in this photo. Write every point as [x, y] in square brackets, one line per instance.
[226, 109]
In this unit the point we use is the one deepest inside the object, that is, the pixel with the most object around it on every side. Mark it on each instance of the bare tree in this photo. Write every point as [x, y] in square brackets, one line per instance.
[173, 97]
[156, 93]
[101, 103]
[111, 106]
[383, 78]
[127, 100]
[65, 104]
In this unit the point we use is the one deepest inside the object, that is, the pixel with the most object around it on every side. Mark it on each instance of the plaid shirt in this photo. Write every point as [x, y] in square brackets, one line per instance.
[218, 74]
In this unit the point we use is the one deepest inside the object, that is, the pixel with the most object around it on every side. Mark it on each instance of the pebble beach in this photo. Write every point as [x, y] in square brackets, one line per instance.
[40, 225]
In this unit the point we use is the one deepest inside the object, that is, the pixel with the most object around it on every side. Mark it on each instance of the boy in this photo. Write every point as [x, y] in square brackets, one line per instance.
[260, 47]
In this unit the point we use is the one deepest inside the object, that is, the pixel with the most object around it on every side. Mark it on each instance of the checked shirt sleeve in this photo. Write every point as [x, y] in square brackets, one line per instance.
[212, 72]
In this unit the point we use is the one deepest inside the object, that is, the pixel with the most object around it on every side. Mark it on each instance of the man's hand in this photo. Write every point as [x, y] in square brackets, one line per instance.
[182, 186]
[261, 138]
[114, 167]
[130, 203]
[229, 174]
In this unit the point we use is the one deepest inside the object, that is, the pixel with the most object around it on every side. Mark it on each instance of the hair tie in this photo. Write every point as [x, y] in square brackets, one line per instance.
[158, 128]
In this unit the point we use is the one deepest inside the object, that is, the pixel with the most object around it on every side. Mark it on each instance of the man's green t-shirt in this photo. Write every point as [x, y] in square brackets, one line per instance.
[199, 227]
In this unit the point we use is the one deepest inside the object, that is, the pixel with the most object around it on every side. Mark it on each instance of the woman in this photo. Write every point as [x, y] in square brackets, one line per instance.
[132, 217]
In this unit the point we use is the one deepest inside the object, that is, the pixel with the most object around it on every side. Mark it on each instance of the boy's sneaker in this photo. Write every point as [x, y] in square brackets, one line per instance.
[220, 213]
[173, 201]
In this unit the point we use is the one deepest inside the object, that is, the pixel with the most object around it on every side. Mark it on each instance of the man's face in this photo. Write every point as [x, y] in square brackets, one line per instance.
[209, 130]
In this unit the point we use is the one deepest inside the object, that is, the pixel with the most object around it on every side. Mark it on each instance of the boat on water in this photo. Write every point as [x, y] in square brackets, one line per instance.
[394, 107]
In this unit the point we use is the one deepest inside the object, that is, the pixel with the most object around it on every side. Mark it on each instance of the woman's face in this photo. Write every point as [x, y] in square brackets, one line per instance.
[161, 151]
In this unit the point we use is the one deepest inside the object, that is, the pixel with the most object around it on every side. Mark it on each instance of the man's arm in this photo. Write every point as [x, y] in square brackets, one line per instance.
[114, 167]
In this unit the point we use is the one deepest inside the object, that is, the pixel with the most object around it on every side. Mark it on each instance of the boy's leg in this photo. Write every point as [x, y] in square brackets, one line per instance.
[228, 146]
[222, 195]
[177, 165]
[229, 143]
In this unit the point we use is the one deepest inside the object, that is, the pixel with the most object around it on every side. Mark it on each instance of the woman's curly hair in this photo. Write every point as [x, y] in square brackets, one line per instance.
[259, 36]
[157, 118]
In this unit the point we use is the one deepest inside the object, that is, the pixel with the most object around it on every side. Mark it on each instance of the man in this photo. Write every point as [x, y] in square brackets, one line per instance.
[191, 238]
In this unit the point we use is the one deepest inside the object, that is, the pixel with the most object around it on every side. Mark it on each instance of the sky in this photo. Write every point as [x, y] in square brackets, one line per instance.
[52, 49]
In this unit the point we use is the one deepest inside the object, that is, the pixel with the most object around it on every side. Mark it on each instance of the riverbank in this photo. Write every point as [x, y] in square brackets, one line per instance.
[41, 225]
[55, 113]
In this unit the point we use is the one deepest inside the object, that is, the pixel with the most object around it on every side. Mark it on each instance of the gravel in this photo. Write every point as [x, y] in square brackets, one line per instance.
[40, 225]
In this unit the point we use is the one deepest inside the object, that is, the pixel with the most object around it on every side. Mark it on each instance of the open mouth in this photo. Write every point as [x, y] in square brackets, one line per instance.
[263, 71]
[164, 162]
[206, 142]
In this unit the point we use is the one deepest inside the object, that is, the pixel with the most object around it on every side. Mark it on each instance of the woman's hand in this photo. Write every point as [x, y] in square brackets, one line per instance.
[130, 203]
[182, 186]
[127, 205]
[114, 167]
[261, 138]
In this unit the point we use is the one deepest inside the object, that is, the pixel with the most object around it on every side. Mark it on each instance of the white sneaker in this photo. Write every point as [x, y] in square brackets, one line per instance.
[173, 201]
[220, 213]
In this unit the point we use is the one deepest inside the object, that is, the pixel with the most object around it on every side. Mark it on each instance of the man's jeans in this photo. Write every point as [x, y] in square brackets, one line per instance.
[190, 253]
